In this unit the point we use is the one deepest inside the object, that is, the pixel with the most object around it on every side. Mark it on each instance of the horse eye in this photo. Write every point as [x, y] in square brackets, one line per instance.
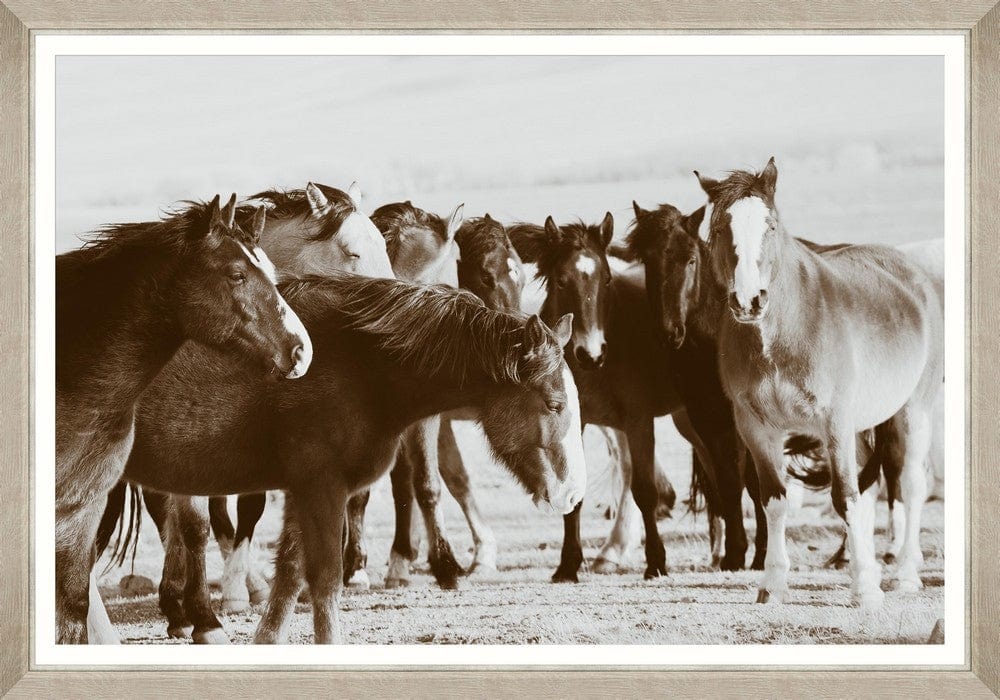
[691, 262]
[238, 277]
[554, 406]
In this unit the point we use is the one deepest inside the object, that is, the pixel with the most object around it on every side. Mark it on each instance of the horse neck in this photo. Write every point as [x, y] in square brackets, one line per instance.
[116, 326]
[710, 303]
[283, 241]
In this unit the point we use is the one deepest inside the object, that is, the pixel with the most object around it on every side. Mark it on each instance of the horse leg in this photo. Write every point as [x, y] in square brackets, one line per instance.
[422, 446]
[76, 587]
[896, 528]
[760, 529]
[320, 511]
[355, 555]
[189, 518]
[174, 575]
[641, 447]
[913, 429]
[456, 479]
[273, 626]
[766, 447]
[402, 554]
[624, 533]
[858, 510]
[222, 524]
[572, 549]
[240, 585]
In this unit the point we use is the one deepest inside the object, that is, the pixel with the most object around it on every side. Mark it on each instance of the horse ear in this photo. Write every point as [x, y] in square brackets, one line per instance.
[639, 211]
[317, 200]
[692, 222]
[769, 176]
[534, 334]
[259, 218]
[707, 184]
[455, 221]
[607, 229]
[354, 192]
[214, 214]
[563, 329]
[551, 230]
[487, 217]
[228, 213]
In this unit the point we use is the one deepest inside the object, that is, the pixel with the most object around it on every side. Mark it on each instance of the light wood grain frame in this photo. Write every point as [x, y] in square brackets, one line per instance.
[979, 18]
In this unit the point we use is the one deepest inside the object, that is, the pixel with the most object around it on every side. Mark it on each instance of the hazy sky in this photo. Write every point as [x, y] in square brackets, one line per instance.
[136, 133]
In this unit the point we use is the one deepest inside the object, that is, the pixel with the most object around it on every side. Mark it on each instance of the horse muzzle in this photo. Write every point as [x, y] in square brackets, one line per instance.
[753, 312]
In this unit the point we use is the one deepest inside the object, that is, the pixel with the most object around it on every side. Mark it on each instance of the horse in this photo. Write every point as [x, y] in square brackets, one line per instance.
[387, 354]
[125, 303]
[824, 344]
[488, 264]
[615, 358]
[320, 230]
[687, 302]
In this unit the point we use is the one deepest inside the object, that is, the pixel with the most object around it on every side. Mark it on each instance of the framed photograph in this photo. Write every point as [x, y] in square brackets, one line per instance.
[412, 348]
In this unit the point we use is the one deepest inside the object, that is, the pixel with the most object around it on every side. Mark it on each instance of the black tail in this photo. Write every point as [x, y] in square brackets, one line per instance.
[114, 514]
[696, 495]
[808, 464]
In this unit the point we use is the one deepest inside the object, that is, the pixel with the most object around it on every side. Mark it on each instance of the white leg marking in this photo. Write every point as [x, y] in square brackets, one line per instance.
[626, 532]
[99, 627]
[718, 529]
[897, 528]
[913, 487]
[774, 584]
[398, 574]
[866, 574]
[235, 596]
[359, 581]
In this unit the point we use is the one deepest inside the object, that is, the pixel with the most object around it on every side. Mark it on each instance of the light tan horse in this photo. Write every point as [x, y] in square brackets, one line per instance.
[827, 345]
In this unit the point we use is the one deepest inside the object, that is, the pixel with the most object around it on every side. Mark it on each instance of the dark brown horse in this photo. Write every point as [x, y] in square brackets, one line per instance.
[615, 356]
[125, 303]
[687, 303]
[387, 354]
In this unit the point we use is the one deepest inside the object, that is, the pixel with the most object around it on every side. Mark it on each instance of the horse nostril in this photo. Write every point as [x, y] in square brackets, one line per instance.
[762, 296]
[298, 352]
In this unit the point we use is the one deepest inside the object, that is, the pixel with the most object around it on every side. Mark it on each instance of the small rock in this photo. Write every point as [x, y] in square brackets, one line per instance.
[687, 599]
[543, 545]
[133, 586]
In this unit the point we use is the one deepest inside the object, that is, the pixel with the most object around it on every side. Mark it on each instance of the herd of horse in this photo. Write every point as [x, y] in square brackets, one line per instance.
[290, 342]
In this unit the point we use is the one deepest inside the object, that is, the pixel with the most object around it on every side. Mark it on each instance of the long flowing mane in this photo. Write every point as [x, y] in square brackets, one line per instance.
[480, 235]
[288, 204]
[394, 219]
[432, 328]
[170, 233]
[534, 244]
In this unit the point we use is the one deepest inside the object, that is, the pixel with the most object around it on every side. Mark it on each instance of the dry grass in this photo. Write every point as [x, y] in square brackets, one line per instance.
[518, 604]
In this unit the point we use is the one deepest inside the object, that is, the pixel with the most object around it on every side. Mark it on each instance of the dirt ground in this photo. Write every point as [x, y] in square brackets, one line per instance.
[519, 605]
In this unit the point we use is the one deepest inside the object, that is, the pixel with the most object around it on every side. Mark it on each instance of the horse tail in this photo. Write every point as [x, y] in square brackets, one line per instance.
[696, 494]
[130, 537]
[805, 462]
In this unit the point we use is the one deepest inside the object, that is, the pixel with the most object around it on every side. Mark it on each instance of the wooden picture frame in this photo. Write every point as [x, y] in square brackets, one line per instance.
[979, 19]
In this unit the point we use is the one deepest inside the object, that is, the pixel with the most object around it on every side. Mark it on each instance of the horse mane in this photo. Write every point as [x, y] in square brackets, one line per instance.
[534, 245]
[171, 234]
[432, 328]
[393, 219]
[478, 236]
[738, 185]
[288, 204]
[645, 229]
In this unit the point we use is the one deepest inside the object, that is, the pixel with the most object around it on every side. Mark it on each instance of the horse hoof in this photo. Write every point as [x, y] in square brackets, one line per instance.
[482, 567]
[182, 632]
[870, 601]
[909, 585]
[231, 605]
[654, 572]
[396, 583]
[605, 566]
[359, 581]
[259, 596]
[731, 563]
[562, 576]
[212, 636]
[757, 565]
[771, 597]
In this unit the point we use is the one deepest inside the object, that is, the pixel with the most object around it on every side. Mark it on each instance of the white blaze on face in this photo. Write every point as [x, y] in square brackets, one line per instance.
[749, 223]
[289, 319]
[705, 228]
[565, 495]
[361, 237]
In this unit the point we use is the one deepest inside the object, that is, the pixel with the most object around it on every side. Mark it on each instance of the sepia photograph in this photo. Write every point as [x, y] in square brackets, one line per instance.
[611, 347]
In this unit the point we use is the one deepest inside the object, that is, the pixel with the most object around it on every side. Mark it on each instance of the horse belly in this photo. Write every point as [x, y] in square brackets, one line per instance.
[883, 389]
